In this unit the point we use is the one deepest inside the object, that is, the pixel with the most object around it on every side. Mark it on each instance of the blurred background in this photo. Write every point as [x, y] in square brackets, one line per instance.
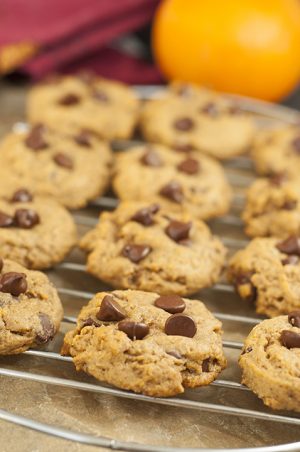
[249, 47]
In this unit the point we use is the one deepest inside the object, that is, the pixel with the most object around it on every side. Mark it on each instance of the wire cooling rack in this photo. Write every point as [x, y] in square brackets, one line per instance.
[240, 318]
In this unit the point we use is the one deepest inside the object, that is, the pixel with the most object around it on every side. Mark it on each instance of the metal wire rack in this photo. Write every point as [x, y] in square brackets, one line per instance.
[240, 173]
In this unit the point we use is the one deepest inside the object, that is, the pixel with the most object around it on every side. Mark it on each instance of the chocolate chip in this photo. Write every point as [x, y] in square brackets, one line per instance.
[83, 139]
[205, 365]
[290, 246]
[22, 195]
[178, 231]
[35, 139]
[210, 109]
[180, 325]
[5, 220]
[170, 303]
[1, 264]
[294, 318]
[13, 283]
[296, 144]
[136, 253]
[47, 329]
[290, 339]
[145, 215]
[26, 218]
[110, 310]
[245, 287]
[189, 166]
[290, 260]
[63, 160]
[289, 205]
[172, 191]
[184, 124]
[69, 99]
[151, 158]
[182, 147]
[175, 354]
[247, 350]
[277, 179]
[134, 330]
[100, 96]
[89, 322]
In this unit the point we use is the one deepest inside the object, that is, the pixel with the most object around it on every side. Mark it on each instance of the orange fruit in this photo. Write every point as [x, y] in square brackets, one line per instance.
[249, 47]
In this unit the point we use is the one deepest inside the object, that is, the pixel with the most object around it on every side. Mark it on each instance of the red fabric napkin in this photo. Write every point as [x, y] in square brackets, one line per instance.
[75, 34]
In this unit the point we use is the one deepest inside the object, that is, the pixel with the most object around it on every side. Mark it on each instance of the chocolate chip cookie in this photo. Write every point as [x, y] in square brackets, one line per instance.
[187, 117]
[35, 231]
[270, 362]
[150, 344]
[277, 151]
[272, 207]
[71, 168]
[192, 183]
[143, 246]
[105, 107]
[30, 309]
[267, 273]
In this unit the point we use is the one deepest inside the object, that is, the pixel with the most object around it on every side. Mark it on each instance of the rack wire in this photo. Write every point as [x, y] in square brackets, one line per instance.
[240, 174]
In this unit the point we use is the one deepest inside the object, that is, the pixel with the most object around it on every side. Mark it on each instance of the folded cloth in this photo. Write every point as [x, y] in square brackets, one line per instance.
[62, 32]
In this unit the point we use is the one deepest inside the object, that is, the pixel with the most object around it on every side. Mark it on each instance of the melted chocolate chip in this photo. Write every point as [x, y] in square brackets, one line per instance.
[170, 303]
[35, 139]
[63, 160]
[180, 325]
[47, 329]
[136, 253]
[172, 191]
[205, 365]
[290, 260]
[290, 246]
[110, 310]
[145, 215]
[178, 231]
[189, 166]
[100, 96]
[5, 220]
[277, 179]
[69, 100]
[89, 322]
[22, 195]
[151, 158]
[175, 354]
[13, 283]
[26, 218]
[290, 205]
[290, 339]
[134, 330]
[83, 139]
[249, 292]
[184, 124]
[296, 144]
[210, 109]
[247, 350]
[294, 318]
[1, 264]
[182, 147]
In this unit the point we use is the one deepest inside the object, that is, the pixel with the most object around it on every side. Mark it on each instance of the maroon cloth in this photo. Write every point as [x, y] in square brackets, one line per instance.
[75, 34]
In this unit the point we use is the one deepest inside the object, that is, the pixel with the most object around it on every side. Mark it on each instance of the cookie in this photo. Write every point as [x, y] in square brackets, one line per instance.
[35, 231]
[188, 117]
[146, 343]
[104, 107]
[143, 246]
[267, 273]
[272, 208]
[277, 151]
[270, 362]
[30, 309]
[71, 168]
[192, 183]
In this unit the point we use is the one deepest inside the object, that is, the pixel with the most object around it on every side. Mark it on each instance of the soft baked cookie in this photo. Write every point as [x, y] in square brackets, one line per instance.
[267, 273]
[272, 208]
[270, 361]
[72, 168]
[188, 117]
[143, 246]
[105, 107]
[35, 231]
[30, 309]
[193, 183]
[150, 344]
[277, 151]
